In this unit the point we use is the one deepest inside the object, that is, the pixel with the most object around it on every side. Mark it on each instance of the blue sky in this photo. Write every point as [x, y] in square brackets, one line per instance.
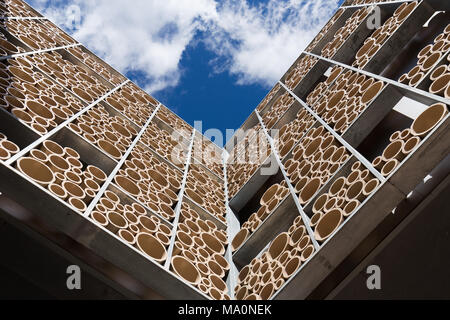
[214, 98]
[205, 60]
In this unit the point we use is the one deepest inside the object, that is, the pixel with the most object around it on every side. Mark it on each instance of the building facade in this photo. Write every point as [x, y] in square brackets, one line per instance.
[342, 156]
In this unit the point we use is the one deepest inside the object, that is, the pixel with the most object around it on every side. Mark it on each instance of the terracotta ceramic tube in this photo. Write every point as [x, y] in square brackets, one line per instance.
[395, 136]
[298, 221]
[410, 145]
[426, 121]
[269, 194]
[71, 153]
[348, 206]
[403, 79]
[212, 244]
[270, 208]
[185, 238]
[99, 218]
[116, 222]
[405, 135]
[4, 154]
[134, 229]
[389, 167]
[315, 219]
[177, 249]
[440, 84]
[78, 204]
[296, 236]
[438, 72]
[291, 267]
[22, 116]
[127, 236]
[186, 270]
[337, 186]
[307, 253]
[355, 191]
[58, 163]
[90, 195]
[190, 256]
[221, 261]
[36, 170]
[165, 229]
[394, 151]
[222, 236]
[218, 283]
[372, 92]
[60, 178]
[130, 217]
[328, 224]
[138, 209]
[267, 291]
[371, 186]
[98, 175]
[378, 163]
[128, 185]
[241, 293]
[58, 191]
[430, 61]
[11, 147]
[151, 246]
[162, 238]
[304, 242]
[309, 190]
[73, 190]
[279, 245]
[50, 147]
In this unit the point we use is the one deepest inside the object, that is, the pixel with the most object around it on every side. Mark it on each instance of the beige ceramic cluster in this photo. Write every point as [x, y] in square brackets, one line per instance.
[151, 181]
[38, 34]
[269, 97]
[269, 202]
[7, 48]
[168, 117]
[402, 143]
[7, 148]
[343, 199]
[300, 70]
[209, 155]
[241, 146]
[430, 57]
[342, 102]
[265, 275]
[357, 2]
[132, 223]
[76, 78]
[381, 35]
[330, 49]
[315, 160]
[206, 191]
[62, 172]
[164, 143]
[134, 103]
[292, 132]
[35, 100]
[279, 107]
[198, 255]
[15, 8]
[245, 164]
[111, 134]
[97, 65]
[324, 30]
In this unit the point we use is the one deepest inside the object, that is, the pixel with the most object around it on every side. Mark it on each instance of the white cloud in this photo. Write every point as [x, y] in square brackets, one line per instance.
[257, 43]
